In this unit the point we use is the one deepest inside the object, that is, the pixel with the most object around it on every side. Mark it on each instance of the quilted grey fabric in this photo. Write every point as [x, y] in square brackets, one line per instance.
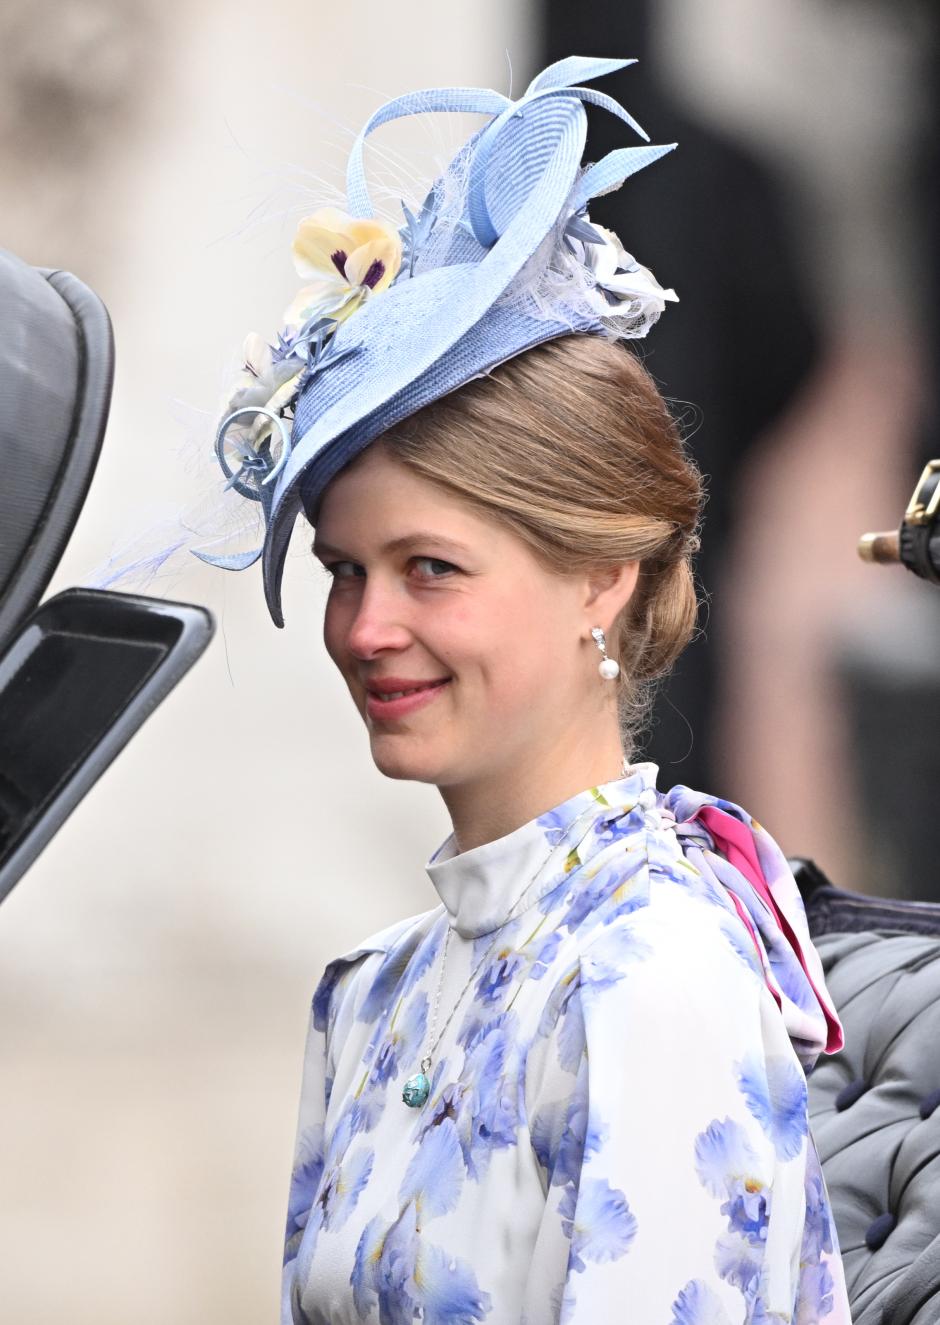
[875, 1107]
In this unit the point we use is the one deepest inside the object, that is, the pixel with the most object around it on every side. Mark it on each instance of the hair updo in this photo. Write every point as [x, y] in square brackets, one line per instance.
[571, 446]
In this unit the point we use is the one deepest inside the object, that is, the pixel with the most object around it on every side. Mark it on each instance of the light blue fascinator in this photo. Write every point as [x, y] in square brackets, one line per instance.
[501, 256]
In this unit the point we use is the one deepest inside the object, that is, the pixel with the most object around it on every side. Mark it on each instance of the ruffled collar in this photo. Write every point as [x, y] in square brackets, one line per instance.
[482, 887]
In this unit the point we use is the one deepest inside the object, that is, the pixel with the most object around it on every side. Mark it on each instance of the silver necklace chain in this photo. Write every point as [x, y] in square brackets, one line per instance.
[427, 1059]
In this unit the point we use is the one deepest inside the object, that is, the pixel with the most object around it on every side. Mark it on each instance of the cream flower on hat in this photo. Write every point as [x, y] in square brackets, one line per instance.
[263, 378]
[266, 381]
[349, 259]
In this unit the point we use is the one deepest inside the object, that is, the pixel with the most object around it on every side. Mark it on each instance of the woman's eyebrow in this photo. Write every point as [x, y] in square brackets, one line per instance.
[397, 544]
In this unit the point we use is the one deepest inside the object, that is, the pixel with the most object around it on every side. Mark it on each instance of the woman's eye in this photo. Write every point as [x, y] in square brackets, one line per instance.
[334, 568]
[436, 561]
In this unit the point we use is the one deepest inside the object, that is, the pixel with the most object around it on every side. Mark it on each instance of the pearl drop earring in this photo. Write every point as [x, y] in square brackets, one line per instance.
[609, 668]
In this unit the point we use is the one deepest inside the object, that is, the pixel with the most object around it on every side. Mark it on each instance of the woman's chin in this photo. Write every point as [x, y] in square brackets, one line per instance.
[403, 759]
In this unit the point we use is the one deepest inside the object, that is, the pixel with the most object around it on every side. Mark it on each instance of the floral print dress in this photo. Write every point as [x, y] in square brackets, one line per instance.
[616, 1128]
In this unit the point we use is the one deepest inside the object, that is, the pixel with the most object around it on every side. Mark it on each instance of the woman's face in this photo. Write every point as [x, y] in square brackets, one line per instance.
[426, 590]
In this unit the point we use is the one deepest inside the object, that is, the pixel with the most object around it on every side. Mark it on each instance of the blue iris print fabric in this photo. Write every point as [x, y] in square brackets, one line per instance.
[616, 1127]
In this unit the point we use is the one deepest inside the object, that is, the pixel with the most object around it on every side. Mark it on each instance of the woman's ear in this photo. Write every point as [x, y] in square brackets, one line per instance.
[607, 592]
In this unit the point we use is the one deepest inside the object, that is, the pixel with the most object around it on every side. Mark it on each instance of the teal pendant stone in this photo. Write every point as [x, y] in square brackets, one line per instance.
[416, 1091]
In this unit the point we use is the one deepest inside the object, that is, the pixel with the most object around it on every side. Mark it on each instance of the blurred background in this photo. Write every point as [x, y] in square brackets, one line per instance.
[158, 960]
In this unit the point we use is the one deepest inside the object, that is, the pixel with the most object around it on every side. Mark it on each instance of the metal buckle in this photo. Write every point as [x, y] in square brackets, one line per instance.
[924, 505]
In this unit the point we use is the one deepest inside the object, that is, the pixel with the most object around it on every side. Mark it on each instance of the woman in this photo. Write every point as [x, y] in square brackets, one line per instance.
[572, 1090]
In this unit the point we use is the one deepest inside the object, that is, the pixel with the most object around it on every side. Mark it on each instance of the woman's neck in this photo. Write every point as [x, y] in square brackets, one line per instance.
[489, 807]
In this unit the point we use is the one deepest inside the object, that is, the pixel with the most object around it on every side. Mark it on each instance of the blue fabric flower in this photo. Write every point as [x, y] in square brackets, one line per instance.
[775, 1092]
[402, 968]
[433, 1179]
[400, 1039]
[603, 896]
[817, 1226]
[728, 1167]
[597, 1220]
[542, 952]
[816, 1290]
[341, 1186]
[489, 1104]
[322, 998]
[747, 1209]
[305, 1179]
[408, 1278]
[564, 1136]
[723, 1154]
[569, 1035]
[698, 1305]
[739, 1261]
[500, 974]
[580, 1138]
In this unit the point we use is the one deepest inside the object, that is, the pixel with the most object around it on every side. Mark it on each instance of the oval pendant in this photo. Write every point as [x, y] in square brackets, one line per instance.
[416, 1090]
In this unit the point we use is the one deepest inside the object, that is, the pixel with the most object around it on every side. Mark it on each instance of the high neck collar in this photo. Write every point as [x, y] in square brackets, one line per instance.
[481, 887]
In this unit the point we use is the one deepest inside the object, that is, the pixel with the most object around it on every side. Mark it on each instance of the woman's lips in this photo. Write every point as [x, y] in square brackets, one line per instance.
[397, 708]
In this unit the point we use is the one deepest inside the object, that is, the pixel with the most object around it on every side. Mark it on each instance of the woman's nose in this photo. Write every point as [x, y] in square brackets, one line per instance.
[379, 620]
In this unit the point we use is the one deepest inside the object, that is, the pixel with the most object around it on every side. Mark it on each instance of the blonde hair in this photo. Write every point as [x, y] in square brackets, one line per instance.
[571, 446]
